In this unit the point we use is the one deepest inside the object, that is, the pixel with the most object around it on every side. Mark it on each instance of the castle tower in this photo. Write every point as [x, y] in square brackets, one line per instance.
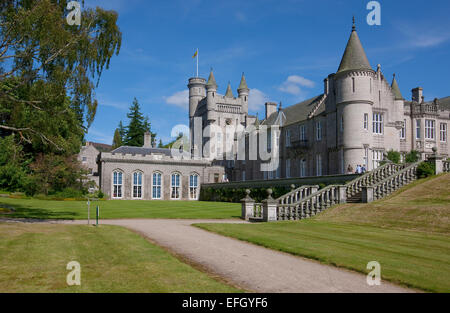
[211, 93]
[197, 92]
[399, 101]
[354, 83]
[243, 93]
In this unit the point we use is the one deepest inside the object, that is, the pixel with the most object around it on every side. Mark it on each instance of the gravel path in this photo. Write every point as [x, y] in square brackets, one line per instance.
[248, 266]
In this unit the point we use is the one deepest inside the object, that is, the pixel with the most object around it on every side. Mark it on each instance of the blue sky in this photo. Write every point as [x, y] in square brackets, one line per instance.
[286, 48]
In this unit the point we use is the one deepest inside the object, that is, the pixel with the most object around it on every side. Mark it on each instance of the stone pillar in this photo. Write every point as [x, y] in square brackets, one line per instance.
[314, 189]
[367, 194]
[248, 205]
[270, 208]
[342, 194]
[437, 161]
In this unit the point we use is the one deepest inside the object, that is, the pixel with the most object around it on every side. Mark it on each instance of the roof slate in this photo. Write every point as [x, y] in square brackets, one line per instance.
[396, 90]
[355, 57]
[141, 150]
[297, 112]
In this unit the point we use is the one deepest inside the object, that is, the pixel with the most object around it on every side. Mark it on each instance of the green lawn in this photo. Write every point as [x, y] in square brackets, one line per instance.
[44, 209]
[408, 234]
[34, 259]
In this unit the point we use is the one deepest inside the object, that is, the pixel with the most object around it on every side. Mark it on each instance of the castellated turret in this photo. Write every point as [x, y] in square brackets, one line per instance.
[196, 93]
[354, 98]
[243, 92]
[211, 94]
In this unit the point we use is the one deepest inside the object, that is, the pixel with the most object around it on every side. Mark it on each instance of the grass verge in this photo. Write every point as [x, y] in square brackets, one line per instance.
[70, 210]
[113, 259]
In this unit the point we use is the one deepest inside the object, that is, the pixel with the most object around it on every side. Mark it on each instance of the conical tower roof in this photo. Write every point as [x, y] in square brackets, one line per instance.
[355, 57]
[229, 93]
[211, 80]
[396, 90]
[243, 84]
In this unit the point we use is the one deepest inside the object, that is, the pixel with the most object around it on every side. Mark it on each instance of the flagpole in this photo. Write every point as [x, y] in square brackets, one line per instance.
[197, 62]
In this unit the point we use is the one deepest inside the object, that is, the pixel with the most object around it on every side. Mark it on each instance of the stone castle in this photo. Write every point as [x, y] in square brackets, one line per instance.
[355, 121]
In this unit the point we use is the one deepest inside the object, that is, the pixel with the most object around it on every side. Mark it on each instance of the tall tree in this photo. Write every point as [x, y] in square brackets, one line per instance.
[49, 69]
[117, 140]
[137, 127]
[122, 132]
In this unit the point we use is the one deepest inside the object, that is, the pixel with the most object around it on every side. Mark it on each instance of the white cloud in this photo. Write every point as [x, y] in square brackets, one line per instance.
[179, 99]
[293, 85]
[257, 99]
[295, 79]
[98, 136]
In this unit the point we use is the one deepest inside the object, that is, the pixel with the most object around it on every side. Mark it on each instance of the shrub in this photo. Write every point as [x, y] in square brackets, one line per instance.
[412, 157]
[394, 156]
[100, 194]
[426, 169]
[68, 193]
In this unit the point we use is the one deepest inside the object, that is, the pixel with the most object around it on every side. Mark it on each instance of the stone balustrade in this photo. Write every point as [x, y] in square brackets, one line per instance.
[370, 178]
[392, 183]
[313, 204]
[298, 194]
[446, 166]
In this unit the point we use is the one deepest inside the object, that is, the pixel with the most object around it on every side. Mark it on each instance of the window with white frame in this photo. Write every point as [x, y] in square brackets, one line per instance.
[278, 172]
[269, 140]
[403, 130]
[193, 187]
[157, 186]
[137, 185]
[175, 186]
[377, 157]
[443, 132]
[418, 129]
[366, 121]
[117, 184]
[319, 165]
[430, 129]
[303, 168]
[378, 123]
[318, 131]
[303, 132]
[288, 138]
[244, 176]
[288, 168]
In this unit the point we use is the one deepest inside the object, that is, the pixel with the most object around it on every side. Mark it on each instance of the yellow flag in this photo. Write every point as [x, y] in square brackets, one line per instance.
[195, 54]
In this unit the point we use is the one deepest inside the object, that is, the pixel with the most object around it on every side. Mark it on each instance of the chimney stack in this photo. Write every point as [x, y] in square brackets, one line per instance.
[417, 95]
[271, 107]
[147, 140]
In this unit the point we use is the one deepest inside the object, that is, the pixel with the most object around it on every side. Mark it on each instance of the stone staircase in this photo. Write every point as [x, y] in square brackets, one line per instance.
[308, 201]
[371, 186]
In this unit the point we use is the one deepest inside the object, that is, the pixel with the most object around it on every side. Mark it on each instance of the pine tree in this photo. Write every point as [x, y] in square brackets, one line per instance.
[122, 132]
[139, 125]
[117, 141]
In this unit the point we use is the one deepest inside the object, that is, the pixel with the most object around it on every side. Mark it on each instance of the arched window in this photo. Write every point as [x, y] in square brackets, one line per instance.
[117, 184]
[156, 188]
[193, 187]
[137, 185]
[175, 186]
